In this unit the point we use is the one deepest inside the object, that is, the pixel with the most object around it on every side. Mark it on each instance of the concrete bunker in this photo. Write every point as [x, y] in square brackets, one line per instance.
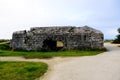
[58, 38]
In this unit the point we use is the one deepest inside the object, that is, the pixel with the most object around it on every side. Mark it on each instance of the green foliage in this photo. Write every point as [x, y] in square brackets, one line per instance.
[22, 70]
[109, 41]
[5, 46]
[4, 40]
[118, 30]
[117, 40]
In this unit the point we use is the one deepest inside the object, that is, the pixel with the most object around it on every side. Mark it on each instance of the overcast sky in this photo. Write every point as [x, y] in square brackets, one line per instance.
[18, 15]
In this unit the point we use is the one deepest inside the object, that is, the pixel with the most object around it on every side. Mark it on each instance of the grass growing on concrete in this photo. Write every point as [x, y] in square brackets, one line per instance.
[21, 70]
[68, 53]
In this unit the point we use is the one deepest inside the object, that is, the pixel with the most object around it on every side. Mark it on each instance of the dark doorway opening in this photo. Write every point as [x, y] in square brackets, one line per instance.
[52, 45]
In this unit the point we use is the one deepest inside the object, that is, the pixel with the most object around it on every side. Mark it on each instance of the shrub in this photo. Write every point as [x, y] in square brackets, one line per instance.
[5, 46]
[117, 40]
[4, 40]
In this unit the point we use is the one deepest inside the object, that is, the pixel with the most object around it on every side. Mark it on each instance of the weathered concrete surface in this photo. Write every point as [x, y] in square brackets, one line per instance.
[45, 38]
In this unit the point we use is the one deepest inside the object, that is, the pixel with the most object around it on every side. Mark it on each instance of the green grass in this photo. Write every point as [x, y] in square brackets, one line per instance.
[21, 70]
[50, 54]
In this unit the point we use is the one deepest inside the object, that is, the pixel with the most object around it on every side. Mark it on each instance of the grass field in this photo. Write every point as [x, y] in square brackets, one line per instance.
[50, 54]
[22, 70]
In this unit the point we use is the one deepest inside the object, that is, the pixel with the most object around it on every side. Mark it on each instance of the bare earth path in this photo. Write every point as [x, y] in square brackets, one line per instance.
[105, 66]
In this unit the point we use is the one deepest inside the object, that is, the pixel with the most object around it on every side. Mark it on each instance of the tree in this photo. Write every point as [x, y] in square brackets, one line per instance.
[119, 30]
[117, 40]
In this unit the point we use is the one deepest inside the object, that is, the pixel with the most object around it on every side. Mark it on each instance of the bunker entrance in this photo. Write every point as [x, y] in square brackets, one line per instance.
[52, 45]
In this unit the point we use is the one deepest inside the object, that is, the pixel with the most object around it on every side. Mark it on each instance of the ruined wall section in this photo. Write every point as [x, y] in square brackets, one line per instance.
[18, 40]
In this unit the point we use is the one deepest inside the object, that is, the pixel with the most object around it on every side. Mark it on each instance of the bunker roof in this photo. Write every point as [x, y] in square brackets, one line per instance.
[60, 30]
[64, 29]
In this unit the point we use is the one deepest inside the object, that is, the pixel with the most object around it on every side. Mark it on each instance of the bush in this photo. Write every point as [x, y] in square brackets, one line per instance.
[5, 46]
[117, 40]
[4, 40]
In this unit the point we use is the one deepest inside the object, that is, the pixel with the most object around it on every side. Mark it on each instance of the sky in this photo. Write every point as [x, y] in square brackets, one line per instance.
[16, 15]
